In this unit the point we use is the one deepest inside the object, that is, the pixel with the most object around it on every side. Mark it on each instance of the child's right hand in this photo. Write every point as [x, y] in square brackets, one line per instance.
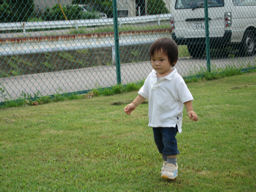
[129, 108]
[192, 115]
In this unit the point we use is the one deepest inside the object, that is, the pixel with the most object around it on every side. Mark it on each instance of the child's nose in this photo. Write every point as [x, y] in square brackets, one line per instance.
[157, 62]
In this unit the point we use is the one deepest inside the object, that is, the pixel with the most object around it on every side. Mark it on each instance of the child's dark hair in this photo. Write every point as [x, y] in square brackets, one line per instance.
[166, 45]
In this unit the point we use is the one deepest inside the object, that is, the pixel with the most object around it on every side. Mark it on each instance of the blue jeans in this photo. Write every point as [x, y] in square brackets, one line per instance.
[165, 139]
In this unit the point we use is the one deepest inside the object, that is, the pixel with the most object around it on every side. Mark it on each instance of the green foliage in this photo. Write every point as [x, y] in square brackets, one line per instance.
[72, 12]
[16, 103]
[156, 7]
[16, 10]
[53, 13]
[44, 99]
[58, 97]
[95, 92]
[104, 6]
[217, 74]
[117, 89]
[133, 86]
[3, 93]
[5, 12]
[37, 99]
[35, 19]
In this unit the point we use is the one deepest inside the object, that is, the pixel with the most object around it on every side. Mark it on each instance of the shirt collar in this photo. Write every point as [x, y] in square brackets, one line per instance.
[169, 76]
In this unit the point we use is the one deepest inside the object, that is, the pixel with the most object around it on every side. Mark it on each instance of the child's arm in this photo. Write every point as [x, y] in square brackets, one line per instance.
[130, 107]
[191, 113]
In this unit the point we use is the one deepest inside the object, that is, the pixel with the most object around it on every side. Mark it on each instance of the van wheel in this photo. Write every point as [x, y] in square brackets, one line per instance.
[196, 51]
[248, 45]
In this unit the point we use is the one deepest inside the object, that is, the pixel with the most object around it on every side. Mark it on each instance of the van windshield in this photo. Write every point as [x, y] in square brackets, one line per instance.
[194, 4]
[244, 2]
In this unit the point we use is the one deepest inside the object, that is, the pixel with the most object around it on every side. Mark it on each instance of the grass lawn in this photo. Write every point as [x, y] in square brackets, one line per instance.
[91, 145]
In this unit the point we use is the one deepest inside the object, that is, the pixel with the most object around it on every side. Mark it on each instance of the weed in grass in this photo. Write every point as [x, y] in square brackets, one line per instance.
[74, 96]
[132, 87]
[117, 89]
[16, 103]
[210, 75]
[122, 28]
[83, 51]
[44, 99]
[95, 92]
[191, 79]
[58, 97]
[3, 92]
[21, 61]
[78, 31]
[47, 65]
[107, 92]
[67, 56]
[217, 74]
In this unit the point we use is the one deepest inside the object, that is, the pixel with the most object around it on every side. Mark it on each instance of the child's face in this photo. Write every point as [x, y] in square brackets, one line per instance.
[161, 63]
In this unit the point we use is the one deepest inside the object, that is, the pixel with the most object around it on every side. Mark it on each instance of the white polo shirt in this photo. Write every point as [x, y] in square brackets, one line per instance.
[166, 96]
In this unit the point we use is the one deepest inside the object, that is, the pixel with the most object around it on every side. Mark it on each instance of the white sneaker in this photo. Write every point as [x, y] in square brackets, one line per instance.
[164, 163]
[169, 171]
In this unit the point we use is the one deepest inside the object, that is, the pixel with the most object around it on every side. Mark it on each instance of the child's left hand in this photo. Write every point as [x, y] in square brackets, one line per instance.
[192, 115]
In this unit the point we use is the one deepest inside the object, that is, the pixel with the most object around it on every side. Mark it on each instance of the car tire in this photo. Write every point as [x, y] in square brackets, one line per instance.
[248, 45]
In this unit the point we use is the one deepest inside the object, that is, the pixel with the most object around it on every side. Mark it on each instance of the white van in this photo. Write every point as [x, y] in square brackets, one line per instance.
[231, 22]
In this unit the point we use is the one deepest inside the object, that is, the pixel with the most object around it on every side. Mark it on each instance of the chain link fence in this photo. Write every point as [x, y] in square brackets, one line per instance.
[65, 46]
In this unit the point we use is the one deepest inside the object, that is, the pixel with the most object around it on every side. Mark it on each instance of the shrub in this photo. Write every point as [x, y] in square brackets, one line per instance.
[156, 7]
[104, 6]
[16, 10]
[72, 12]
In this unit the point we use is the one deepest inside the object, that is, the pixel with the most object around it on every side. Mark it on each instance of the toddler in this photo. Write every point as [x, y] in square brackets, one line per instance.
[166, 92]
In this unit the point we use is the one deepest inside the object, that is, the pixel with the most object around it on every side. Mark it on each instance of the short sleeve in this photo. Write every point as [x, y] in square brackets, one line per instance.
[183, 91]
[144, 90]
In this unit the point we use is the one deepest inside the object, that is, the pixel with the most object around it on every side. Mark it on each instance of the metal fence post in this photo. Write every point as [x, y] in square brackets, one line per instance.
[117, 57]
[207, 40]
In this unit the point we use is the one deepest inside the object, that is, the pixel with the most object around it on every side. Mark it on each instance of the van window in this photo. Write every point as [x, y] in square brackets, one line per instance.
[194, 4]
[244, 2]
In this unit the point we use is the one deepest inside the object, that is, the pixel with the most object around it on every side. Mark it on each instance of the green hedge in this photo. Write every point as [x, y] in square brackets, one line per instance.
[156, 7]
[72, 12]
[104, 6]
[16, 10]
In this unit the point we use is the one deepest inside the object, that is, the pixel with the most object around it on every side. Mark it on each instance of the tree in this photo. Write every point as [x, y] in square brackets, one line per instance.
[5, 11]
[104, 6]
[156, 7]
[72, 12]
[16, 10]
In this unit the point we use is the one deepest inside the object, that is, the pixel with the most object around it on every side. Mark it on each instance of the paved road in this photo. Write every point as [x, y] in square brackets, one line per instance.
[102, 76]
